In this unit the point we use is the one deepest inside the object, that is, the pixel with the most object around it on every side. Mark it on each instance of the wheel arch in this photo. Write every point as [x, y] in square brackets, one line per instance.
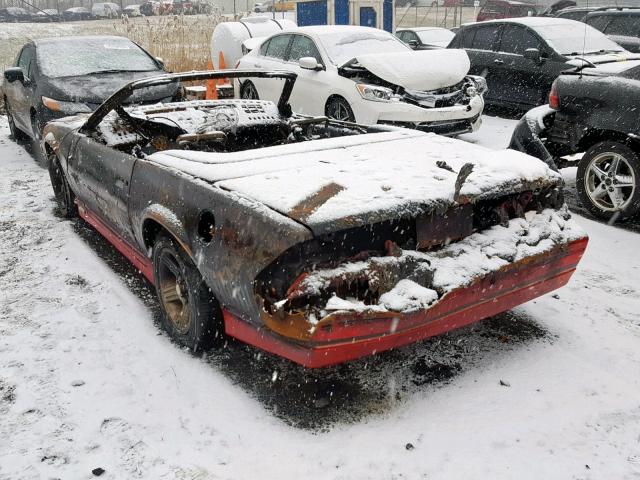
[595, 136]
[157, 221]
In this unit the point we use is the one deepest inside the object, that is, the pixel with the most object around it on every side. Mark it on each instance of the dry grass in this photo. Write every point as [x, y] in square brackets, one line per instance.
[183, 42]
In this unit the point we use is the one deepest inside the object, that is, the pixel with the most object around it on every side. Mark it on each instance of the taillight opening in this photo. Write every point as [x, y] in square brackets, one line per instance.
[554, 98]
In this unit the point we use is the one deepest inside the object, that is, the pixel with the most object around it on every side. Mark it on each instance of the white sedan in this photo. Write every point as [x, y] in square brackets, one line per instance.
[366, 75]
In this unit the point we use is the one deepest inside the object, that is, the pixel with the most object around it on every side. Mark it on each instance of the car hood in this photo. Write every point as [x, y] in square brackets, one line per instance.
[418, 69]
[339, 183]
[623, 59]
[75, 89]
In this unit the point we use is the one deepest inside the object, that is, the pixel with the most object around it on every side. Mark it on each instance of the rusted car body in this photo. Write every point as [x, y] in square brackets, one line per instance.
[318, 240]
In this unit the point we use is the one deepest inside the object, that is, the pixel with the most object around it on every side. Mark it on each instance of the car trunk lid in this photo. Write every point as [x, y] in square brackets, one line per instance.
[339, 183]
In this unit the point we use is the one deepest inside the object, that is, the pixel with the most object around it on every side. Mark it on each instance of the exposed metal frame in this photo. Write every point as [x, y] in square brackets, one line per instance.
[118, 98]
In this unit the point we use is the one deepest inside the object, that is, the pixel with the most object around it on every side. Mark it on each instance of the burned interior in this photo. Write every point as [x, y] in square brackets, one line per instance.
[213, 126]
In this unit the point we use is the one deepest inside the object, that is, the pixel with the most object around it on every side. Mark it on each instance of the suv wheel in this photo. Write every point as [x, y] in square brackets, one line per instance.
[608, 181]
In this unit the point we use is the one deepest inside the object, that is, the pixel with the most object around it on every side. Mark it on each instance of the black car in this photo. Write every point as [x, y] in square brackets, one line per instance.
[77, 13]
[521, 57]
[594, 112]
[58, 77]
[622, 25]
[14, 14]
[47, 15]
[574, 13]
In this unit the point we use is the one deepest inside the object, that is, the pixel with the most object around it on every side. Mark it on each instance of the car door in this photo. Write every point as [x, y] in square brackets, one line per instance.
[311, 89]
[518, 78]
[20, 94]
[480, 43]
[100, 177]
[272, 56]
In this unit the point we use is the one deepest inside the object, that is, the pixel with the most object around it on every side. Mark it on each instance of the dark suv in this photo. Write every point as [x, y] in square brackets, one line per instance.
[620, 24]
[521, 57]
[595, 112]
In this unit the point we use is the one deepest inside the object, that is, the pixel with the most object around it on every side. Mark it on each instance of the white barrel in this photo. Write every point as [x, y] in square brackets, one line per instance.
[228, 36]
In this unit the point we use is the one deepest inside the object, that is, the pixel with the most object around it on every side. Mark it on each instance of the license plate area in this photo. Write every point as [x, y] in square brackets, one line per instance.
[436, 229]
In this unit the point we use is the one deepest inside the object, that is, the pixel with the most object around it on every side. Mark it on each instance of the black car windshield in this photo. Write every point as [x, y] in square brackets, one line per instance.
[579, 39]
[88, 56]
[342, 46]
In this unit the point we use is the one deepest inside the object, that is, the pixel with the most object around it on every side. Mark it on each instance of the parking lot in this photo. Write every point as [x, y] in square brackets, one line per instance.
[87, 379]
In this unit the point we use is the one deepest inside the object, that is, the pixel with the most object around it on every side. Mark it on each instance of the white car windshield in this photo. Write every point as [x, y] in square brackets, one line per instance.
[578, 39]
[435, 36]
[93, 56]
[344, 46]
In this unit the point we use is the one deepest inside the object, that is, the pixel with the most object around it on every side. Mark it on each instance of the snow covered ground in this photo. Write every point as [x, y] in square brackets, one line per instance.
[549, 390]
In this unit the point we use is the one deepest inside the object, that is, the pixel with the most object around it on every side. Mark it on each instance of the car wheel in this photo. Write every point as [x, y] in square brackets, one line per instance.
[190, 313]
[339, 109]
[37, 143]
[64, 195]
[17, 134]
[608, 181]
[248, 91]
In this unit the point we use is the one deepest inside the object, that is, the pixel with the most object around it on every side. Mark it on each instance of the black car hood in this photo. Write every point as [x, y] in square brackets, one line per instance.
[95, 89]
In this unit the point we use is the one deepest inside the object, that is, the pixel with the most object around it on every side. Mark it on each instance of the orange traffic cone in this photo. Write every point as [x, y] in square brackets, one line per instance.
[223, 66]
[212, 91]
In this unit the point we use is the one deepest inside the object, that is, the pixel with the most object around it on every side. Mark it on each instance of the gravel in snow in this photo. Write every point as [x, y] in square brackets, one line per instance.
[88, 384]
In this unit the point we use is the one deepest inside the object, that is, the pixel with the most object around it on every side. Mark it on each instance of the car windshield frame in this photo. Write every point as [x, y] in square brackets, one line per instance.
[48, 64]
[581, 39]
[353, 37]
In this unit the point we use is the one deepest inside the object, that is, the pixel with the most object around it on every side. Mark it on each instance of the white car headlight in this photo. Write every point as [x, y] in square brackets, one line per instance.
[376, 93]
[65, 107]
[480, 83]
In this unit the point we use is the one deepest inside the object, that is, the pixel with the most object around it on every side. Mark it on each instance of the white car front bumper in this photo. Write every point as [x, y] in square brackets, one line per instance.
[446, 120]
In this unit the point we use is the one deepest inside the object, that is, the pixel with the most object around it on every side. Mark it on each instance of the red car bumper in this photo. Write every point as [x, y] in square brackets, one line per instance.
[350, 335]
[355, 335]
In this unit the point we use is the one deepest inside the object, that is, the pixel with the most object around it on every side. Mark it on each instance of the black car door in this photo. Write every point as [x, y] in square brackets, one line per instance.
[519, 76]
[100, 177]
[20, 95]
[480, 43]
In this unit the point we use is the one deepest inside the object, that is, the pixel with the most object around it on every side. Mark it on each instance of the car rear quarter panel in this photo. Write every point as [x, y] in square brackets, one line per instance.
[247, 236]
[599, 104]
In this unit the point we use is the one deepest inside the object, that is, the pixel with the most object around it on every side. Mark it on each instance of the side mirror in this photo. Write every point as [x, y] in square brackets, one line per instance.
[160, 60]
[413, 44]
[532, 54]
[309, 63]
[13, 74]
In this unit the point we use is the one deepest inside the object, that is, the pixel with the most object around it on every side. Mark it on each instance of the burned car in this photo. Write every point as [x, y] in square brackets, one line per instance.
[314, 239]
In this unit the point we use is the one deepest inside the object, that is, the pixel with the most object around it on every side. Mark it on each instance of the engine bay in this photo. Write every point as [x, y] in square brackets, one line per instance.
[213, 126]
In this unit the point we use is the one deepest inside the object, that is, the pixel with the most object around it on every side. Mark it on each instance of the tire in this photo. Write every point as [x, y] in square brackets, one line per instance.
[190, 313]
[608, 181]
[248, 91]
[339, 109]
[37, 142]
[64, 195]
[16, 134]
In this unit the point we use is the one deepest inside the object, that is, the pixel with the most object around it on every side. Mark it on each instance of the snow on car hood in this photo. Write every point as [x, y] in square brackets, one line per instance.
[610, 62]
[343, 182]
[420, 69]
